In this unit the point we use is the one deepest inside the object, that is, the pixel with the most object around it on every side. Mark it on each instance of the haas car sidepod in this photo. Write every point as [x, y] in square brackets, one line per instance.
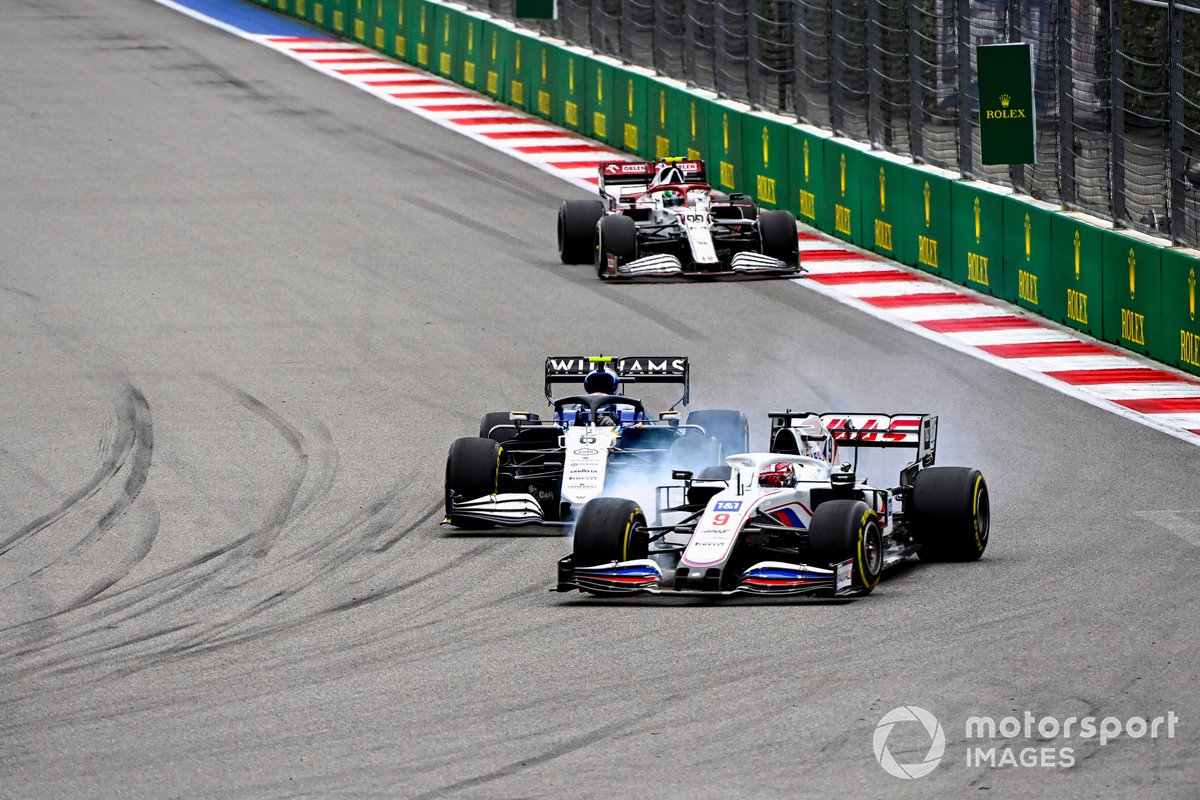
[790, 521]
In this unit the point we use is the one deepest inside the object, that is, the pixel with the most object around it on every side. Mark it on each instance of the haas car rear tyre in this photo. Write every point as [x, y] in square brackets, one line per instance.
[731, 428]
[610, 529]
[950, 513]
[577, 230]
[472, 471]
[777, 232]
[616, 244]
[847, 529]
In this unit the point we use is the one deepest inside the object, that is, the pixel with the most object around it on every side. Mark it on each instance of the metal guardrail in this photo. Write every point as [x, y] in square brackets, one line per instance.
[1117, 83]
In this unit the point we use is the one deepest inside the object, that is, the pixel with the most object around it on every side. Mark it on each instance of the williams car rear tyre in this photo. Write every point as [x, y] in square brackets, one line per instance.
[497, 426]
[731, 428]
[616, 243]
[777, 234]
[950, 513]
[694, 452]
[577, 230]
[472, 471]
[847, 529]
[610, 529]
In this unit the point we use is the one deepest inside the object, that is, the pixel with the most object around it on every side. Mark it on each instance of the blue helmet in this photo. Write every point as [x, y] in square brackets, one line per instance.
[601, 381]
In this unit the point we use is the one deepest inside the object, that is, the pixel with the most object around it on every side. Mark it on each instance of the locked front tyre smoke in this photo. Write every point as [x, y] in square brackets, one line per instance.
[472, 471]
[577, 230]
[949, 513]
[731, 428]
[610, 529]
[847, 529]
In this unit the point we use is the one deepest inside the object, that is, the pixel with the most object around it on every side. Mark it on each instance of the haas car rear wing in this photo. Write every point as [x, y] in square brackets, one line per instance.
[637, 175]
[630, 369]
[916, 431]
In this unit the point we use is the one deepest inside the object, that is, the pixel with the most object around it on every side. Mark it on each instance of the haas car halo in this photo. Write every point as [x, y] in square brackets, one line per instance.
[524, 470]
[791, 521]
[662, 219]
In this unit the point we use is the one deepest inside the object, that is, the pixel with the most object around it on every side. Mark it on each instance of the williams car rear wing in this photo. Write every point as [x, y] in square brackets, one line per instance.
[915, 431]
[630, 369]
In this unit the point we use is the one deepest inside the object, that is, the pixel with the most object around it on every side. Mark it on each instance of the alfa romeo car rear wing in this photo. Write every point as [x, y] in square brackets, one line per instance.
[630, 369]
[617, 174]
[915, 431]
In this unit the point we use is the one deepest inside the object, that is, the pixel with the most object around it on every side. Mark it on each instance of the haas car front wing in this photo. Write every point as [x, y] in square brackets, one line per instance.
[646, 576]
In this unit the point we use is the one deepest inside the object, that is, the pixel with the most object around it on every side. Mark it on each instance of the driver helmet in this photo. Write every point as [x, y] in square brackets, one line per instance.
[667, 173]
[672, 198]
[601, 381]
[779, 475]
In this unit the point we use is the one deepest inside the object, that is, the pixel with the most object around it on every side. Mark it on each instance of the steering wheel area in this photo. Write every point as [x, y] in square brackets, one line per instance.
[683, 188]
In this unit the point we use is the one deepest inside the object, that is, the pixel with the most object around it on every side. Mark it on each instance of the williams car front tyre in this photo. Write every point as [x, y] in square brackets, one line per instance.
[472, 471]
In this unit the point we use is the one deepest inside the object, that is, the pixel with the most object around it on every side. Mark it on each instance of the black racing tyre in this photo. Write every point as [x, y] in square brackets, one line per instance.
[472, 471]
[617, 239]
[577, 230]
[492, 420]
[847, 529]
[497, 426]
[777, 234]
[730, 427]
[949, 513]
[610, 529]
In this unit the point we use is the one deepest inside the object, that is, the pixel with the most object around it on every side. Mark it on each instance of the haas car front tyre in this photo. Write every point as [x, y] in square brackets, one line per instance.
[472, 471]
[577, 230]
[844, 530]
[778, 236]
[610, 529]
[950, 514]
[616, 244]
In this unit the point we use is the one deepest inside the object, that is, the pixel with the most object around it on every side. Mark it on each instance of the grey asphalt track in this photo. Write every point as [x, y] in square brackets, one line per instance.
[244, 309]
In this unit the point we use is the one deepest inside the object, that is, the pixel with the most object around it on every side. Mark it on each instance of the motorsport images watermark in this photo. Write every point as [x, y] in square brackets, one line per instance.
[993, 742]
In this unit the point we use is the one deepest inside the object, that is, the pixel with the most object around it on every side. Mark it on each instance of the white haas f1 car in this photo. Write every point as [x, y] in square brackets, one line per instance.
[791, 521]
[662, 219]
[524, 470]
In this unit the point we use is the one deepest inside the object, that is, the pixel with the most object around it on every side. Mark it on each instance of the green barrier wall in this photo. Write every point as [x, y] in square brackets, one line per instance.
[470, 50]
[883, 207]
[598, 123]
[927, 231]
[844, 163]
[569, 93]
[1181, 309]
[1027, 250]
[690, 115]
[446, 42]
[724, 152]
[1124, 288]
[1132, 292]
[631, 111]
[977, 238]
[806, 168]
[766, 160]
[1076, 282]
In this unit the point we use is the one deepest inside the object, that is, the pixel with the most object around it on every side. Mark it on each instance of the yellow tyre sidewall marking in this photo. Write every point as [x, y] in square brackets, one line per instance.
[628, 532]
[867, 517]
[980, 483]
